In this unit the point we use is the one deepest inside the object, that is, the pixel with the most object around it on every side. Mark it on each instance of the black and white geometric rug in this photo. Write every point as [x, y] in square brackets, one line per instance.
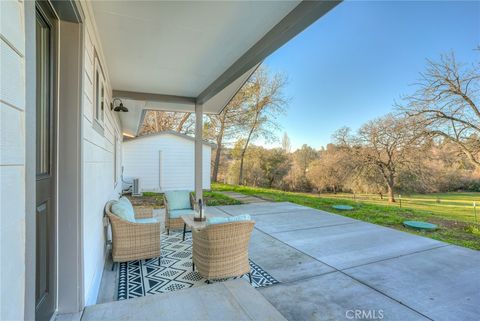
[146, 277]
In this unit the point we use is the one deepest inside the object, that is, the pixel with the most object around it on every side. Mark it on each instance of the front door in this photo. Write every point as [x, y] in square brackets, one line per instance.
[45, 166]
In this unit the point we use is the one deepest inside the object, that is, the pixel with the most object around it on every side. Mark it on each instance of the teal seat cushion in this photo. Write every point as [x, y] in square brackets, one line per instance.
[178, 200]
[221, 220]
[178, 213]
[146, 220]
[123, 210]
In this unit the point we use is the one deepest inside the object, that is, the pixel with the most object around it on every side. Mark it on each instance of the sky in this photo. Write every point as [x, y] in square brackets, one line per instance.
[352, 64]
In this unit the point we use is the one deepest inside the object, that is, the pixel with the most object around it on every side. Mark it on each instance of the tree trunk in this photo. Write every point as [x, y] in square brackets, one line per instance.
[240, 174]
[270, 182]
[216, 163]
[182, 122]
[391, 196]
[242, 156]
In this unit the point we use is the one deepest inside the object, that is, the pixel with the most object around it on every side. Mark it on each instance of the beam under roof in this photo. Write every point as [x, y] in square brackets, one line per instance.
[292, 24]
[153, 97]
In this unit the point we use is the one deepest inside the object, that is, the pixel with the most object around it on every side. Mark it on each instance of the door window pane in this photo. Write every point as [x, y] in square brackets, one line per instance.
[43, 97]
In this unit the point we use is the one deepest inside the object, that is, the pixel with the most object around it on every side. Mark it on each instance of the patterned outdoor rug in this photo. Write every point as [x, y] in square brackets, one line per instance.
[146, 277]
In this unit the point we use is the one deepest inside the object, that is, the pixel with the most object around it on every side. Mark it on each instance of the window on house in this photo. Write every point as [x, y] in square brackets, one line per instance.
[99, 100]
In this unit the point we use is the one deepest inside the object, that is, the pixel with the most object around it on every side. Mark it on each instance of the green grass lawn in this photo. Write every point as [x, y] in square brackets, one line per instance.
[156, 199]
[455, 206]
[460, 231]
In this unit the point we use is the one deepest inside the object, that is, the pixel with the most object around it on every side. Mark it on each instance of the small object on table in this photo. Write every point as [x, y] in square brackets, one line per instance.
[343, 207]
[199, 216]
[419, 225]
[189, 220]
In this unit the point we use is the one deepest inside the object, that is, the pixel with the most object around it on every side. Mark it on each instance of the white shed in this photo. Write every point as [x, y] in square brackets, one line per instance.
[164, 161]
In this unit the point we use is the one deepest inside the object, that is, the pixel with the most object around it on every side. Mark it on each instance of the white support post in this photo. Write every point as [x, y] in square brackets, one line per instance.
[198, 152]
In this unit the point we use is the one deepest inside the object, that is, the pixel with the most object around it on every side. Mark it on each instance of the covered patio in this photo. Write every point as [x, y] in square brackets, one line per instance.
[192, 57]
[330, 267]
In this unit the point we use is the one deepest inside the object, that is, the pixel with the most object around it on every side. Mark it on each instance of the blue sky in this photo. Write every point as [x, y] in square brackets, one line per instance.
[352, 64]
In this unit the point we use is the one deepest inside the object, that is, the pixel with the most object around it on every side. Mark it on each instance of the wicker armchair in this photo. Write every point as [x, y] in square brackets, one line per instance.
[134, 241]
[173, 221]
[221, 250]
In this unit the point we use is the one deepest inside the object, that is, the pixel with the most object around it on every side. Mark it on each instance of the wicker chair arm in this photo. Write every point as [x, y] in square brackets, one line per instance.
[118, 222]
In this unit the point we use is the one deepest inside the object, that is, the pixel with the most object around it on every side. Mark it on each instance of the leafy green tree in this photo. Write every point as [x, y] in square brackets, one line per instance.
[275, 164]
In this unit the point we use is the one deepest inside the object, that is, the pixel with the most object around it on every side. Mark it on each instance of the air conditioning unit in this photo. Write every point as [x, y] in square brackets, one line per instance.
[136, 187]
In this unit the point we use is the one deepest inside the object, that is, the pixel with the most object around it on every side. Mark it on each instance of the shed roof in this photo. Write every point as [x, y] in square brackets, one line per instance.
[170, 132]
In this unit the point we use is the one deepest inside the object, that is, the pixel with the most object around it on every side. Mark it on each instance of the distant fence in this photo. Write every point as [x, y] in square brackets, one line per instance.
[454, 207]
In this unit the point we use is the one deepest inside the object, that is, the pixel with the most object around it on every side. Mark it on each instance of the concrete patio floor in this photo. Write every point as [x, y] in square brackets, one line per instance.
[331, 267]
[231, 300]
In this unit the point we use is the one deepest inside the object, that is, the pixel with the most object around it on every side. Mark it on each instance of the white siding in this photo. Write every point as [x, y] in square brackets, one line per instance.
[98, 166]
[174, 169]
[12, 161]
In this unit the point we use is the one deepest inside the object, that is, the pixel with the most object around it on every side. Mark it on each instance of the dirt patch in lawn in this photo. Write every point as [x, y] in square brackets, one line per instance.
[155, 201]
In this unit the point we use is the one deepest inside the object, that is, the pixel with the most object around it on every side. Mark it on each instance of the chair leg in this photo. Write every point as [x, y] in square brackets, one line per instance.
[113, 266]
[159, 260]
[168, 231]
[193, 266]
[250, 277]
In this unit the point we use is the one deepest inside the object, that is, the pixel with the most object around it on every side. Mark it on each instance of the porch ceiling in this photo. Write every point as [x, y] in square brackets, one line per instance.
[199, 50]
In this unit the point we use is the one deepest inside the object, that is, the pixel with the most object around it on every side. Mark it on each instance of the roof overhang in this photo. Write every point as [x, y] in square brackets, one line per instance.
[176, 54]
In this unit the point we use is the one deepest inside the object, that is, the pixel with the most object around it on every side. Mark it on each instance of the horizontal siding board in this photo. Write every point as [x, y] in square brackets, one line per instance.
[12, 88]
[12, 136]
[11, 24]
[89, 68]
[89, 45]
[87, 108]
[88, 88]
[12, 241]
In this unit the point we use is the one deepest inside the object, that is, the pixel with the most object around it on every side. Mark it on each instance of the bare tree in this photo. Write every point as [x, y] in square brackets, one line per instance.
[157, 121]
[446, 102]
[265, 102]
[386, 144]
[183, 121]
[224, 126]
[301, 159]
[331, 171]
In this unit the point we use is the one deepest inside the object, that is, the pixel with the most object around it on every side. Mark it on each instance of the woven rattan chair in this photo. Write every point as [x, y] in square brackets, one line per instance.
[134, 241]
[172, 223]
[221, 250]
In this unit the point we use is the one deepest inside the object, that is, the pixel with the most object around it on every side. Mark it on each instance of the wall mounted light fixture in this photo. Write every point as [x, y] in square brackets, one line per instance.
[119, 107]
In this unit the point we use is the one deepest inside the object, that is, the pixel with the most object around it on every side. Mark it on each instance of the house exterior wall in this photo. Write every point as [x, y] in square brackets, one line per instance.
[164, 162]
[12, 160]
[100, 183]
